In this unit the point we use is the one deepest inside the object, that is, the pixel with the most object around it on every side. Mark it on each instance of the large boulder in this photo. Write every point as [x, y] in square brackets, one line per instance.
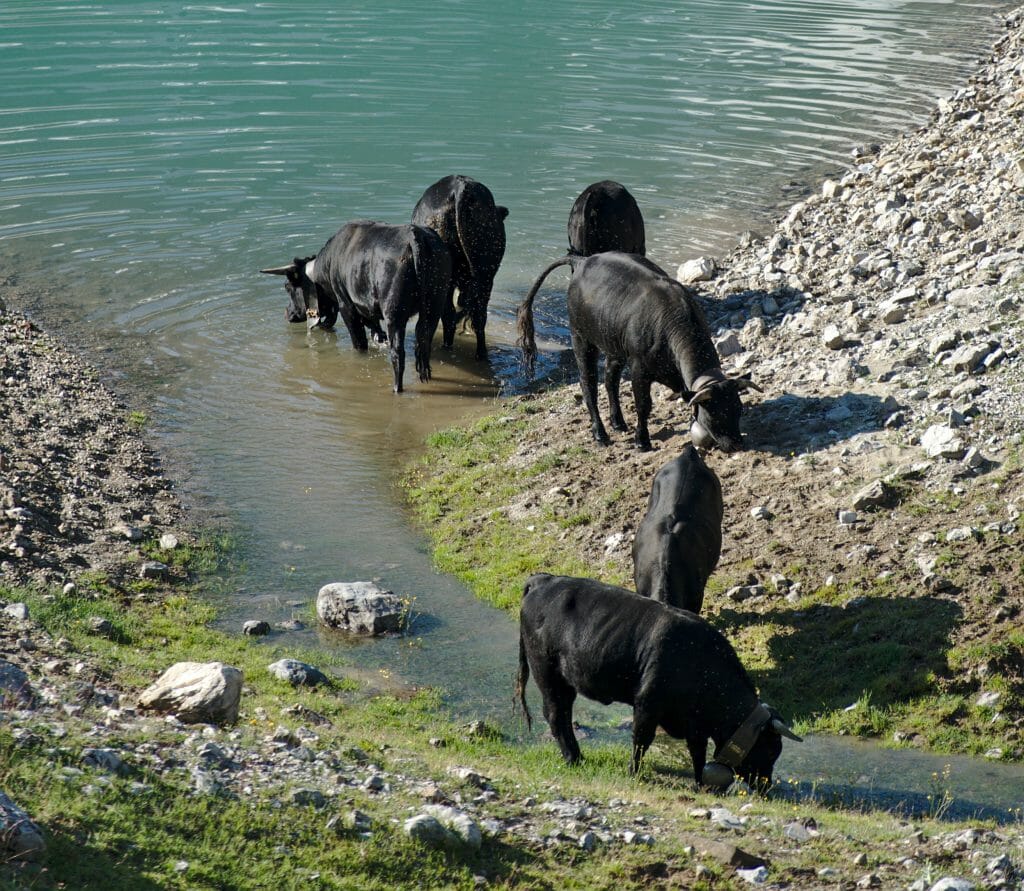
[20, 838]
[360, 608]
[197, 692]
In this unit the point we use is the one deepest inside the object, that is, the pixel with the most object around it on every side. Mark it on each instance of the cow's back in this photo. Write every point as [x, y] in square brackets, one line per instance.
[679, 540]
[606, 217]
[462, 212]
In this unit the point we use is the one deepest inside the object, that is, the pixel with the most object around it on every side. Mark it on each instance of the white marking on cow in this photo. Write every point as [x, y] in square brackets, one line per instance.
[310, 269]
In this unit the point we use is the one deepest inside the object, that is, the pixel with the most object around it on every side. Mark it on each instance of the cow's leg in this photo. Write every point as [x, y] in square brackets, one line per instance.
[645, 725]
[558, 711]
[426, 325]
[642, 400]
[396, 352]
[698, 755]
[586, 362]
[612, 377]
[449, 319]
[356, 329]
[478, 319]
[558, 698]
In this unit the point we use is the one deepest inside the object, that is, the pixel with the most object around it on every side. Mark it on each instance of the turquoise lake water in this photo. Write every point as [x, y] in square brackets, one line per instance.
[154, 156]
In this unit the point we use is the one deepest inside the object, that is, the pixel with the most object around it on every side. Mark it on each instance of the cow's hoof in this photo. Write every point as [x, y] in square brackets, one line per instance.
[644, 446]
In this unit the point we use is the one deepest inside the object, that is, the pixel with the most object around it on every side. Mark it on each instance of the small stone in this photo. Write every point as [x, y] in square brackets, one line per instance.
[988, 699]
[169, 541]
[940, 441]
[106, 760]
[17, 611]
[20, 838]
[847, 517]
[309, 798]
[760, 512]
[256, 628]
[833, 338]
[588, 841]
[756, 876]
[154, 569]
[101, 626]
[296, 673]
[950, 883]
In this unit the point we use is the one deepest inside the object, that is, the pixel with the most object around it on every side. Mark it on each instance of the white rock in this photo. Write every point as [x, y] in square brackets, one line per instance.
[952, 884]
[196, 692]
[700, 270]
[360, 608]
[756, 876]
[940, 441]
[833, 338]
[988, 699]
[463, 827]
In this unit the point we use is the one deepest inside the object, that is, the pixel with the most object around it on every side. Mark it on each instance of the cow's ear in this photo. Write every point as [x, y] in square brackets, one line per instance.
[502, 211]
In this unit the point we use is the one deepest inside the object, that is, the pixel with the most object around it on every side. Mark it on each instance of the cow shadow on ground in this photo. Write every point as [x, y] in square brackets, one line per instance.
[879, 652]
[788, 424]
[732, 312]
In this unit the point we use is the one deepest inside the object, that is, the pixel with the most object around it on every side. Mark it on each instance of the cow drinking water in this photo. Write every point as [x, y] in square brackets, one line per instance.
[579, 636]
[679, 540]
[374, 275]
[628, 308]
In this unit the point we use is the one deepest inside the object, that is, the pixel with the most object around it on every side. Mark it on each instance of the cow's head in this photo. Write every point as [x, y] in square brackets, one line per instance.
[716, 404]
[751, 752]
[303, 294]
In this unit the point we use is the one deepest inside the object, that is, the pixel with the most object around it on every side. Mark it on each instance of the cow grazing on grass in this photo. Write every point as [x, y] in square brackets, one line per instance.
[605, 217]
[679, 540]
[629, 309]
[462, 211]
[579, 636]
[376, 277]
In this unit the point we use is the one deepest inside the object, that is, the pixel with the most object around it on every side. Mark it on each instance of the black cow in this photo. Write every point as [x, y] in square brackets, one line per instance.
[372, 273]
[462, 211]
[679, 540]
[678, 673]
[605, 217]
[632, 311]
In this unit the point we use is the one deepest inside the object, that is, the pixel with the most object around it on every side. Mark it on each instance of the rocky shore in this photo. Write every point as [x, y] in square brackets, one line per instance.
[882, 318]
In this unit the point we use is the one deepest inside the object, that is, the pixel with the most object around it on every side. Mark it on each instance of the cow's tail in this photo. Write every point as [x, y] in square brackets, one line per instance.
[524, 317]
[521, 679]
[462, 228]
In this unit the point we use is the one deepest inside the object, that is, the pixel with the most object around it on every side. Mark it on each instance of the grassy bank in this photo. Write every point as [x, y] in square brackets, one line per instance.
[506, 498]
[147, 826]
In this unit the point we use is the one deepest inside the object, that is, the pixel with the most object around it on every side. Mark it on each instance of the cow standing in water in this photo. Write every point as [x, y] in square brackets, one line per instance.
[679, 540]
[463, 213]
[628, 308]
[605, 217]
[376, 277]
[580, 636]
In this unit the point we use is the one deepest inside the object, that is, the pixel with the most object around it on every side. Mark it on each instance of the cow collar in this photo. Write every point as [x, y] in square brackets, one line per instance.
[735, 750]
